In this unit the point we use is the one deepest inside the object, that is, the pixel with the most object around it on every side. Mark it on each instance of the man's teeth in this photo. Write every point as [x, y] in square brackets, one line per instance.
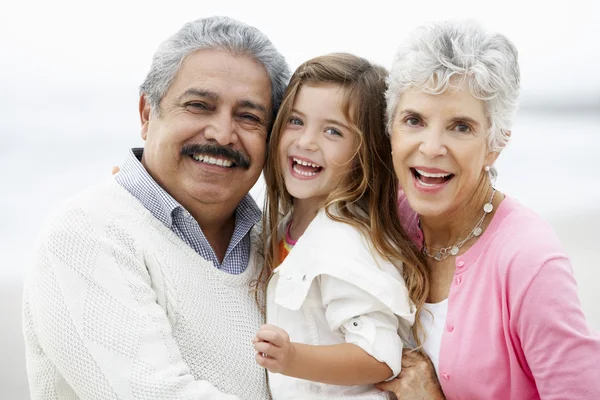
[301, 162]
[212, 160]
[431, 175]
[303, 173]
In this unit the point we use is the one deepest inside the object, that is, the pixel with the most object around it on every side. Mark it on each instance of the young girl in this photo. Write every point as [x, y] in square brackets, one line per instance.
[345, 282]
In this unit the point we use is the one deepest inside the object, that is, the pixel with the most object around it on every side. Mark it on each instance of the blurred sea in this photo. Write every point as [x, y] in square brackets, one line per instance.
[550, 166]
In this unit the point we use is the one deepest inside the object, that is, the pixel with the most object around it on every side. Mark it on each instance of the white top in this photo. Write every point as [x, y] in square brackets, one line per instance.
[118, 307]
[332, 289]
[433, 321]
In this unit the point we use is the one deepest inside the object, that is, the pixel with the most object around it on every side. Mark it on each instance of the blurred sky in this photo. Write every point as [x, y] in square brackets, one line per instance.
[89, 57]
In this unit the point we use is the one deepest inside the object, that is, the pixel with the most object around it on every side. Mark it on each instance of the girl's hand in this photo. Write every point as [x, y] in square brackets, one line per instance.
[417, 380]
[274, 350]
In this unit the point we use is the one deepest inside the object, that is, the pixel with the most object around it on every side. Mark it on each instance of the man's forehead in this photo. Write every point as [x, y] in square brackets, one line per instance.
[223, 77]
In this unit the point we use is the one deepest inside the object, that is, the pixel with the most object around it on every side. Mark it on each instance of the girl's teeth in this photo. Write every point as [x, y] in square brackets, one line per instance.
[303, 173]
[305, 163]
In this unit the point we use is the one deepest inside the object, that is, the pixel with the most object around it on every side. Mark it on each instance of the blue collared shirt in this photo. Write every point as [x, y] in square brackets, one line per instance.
[134, 177]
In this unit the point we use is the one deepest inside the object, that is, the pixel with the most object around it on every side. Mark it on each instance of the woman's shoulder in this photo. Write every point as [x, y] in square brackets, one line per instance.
[521, 243]
[521, 230]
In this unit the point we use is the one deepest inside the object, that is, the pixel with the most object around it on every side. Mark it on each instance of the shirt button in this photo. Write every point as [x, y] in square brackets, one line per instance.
[458, 280]
[446, 377]
[460, 263]
[288, 277]
[450, 327]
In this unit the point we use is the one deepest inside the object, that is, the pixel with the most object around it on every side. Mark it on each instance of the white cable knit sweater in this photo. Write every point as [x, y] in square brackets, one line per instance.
[118, 307]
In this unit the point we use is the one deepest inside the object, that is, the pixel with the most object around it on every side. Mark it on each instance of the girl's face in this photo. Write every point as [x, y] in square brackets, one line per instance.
[440, 149]
[317, 145]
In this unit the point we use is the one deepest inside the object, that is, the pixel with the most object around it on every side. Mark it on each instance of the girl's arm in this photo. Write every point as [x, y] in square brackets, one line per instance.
[340, 364]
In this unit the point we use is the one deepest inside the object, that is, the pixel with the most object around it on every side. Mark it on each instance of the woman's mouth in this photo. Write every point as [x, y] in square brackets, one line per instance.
[305, 168]
[431, 179]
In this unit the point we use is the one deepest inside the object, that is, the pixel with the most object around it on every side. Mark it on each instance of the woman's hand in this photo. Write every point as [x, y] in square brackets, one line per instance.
[274, 350]
[416, 381]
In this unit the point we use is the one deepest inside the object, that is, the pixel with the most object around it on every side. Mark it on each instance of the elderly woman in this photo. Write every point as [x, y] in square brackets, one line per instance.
[503, 319]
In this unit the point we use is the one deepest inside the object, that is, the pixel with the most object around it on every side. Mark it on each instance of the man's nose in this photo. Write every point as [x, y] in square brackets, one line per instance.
[221, 129]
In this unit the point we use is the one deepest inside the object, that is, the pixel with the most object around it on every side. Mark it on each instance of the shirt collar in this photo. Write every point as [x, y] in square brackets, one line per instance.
[136, 179]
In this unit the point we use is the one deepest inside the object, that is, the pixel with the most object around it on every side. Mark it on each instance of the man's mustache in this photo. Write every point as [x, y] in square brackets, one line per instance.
[237, 158]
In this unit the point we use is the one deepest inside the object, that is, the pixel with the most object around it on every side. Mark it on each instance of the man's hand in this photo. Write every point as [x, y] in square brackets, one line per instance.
[417, 380]
[274, 350]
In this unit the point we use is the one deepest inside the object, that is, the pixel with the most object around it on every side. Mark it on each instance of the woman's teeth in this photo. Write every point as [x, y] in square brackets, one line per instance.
[430, 179]
[432, 175]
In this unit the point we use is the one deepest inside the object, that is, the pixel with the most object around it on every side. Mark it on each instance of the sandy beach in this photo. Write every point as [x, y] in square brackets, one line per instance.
[578, 233]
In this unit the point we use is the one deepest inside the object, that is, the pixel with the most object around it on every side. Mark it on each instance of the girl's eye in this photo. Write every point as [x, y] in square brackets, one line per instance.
[295, 121]
[333, 132]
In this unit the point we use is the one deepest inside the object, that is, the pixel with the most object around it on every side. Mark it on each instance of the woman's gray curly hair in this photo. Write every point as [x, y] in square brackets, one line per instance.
[488, 62]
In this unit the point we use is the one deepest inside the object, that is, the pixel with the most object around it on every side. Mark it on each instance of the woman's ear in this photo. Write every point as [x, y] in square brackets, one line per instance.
[491, 157]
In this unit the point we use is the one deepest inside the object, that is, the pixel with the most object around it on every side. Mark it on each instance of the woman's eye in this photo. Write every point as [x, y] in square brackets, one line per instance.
[295, 121]
[463, 128]
[412, 121]
[333, 132]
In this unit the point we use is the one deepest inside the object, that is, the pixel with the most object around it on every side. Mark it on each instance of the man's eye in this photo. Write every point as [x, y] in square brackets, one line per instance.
[197, 106]
[251, 117]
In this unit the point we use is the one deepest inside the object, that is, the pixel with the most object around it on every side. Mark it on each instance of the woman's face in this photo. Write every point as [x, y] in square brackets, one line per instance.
[440, 149]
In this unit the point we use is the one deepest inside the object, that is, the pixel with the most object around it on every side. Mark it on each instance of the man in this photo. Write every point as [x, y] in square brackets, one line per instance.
[141, 287]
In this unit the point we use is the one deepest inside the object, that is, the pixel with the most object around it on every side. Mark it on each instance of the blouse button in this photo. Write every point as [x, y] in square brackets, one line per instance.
[458, 280]
[460, 263]
[450, 327]
[446, 377]
[355, 323]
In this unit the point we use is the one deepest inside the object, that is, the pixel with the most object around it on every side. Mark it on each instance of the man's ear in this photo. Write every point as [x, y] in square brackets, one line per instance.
[144, 109]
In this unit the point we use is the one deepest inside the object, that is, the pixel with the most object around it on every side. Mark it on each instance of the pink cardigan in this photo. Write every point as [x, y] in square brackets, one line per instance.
[515, 328]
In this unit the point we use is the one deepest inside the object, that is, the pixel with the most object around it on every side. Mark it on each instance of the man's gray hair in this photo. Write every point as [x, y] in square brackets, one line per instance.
[435, 53]
[214, 33]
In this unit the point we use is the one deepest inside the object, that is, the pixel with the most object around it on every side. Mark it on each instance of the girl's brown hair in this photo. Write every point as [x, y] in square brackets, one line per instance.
[366, 198]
